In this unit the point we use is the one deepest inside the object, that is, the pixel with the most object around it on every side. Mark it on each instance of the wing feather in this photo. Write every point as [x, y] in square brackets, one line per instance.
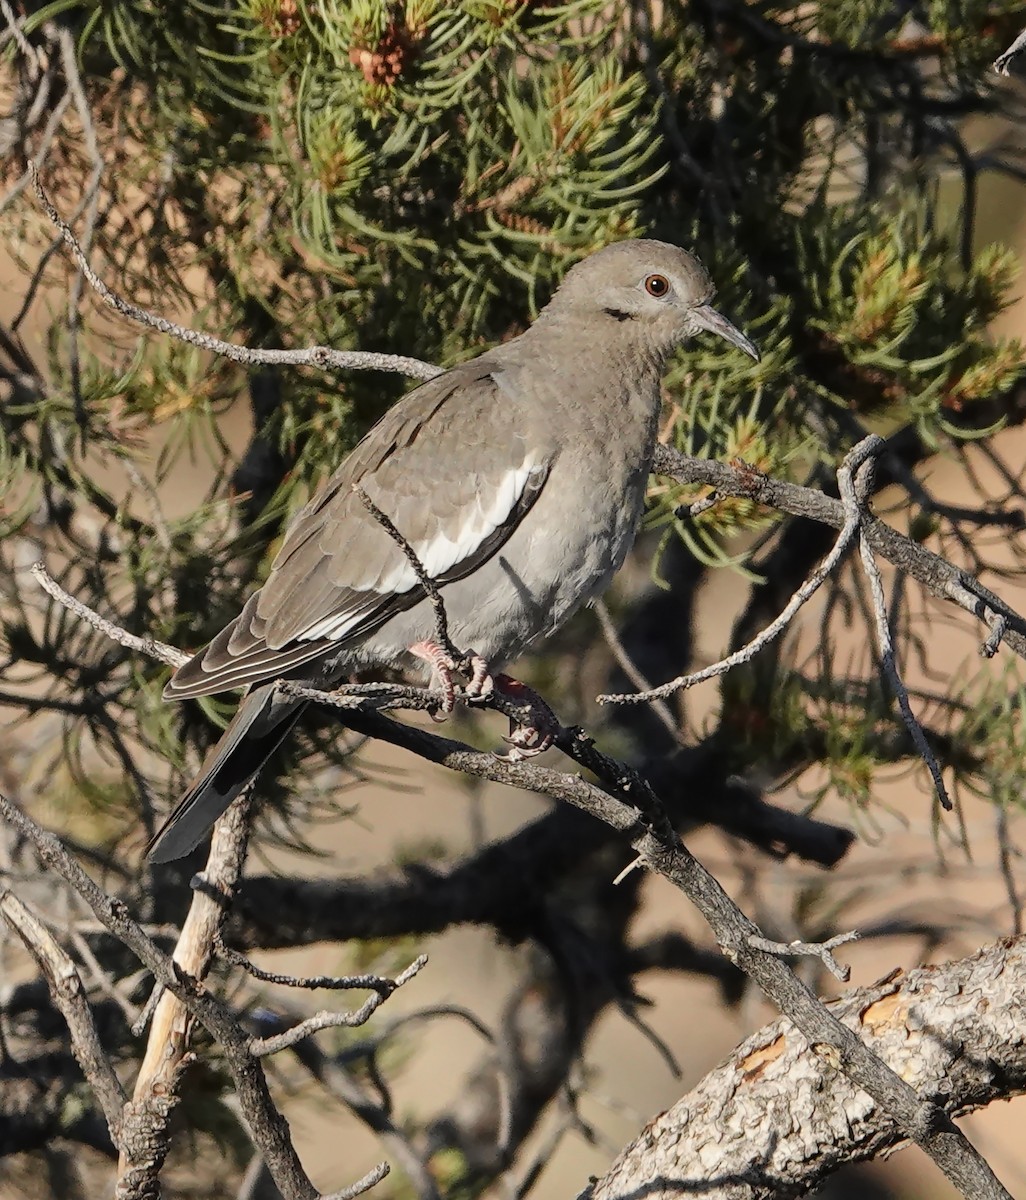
[339, 574]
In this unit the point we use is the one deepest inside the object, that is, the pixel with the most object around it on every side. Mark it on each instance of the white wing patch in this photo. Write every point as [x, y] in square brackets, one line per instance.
[438, 555]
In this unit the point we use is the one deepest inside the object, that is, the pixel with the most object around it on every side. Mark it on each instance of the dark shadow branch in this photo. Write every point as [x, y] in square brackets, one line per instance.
[497, 885]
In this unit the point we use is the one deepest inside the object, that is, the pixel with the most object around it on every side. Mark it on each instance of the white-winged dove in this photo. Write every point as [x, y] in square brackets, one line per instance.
[518, 479]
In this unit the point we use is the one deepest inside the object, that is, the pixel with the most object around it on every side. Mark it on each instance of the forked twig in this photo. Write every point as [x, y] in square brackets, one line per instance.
[821, 950]
[852, 519]
[260, 1047]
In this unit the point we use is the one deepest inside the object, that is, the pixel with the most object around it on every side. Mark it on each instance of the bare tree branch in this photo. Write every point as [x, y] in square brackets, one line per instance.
[269, 1129]
[852, 520]
[322, 357]
[171, 1025]
[821, 950]
[259, 1047]
[939, 577]
[69, 997]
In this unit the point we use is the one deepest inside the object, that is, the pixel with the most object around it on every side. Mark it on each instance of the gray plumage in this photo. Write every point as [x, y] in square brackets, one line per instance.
[518, 478]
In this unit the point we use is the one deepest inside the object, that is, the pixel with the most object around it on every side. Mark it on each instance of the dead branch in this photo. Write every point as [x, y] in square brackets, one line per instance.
[259, 1047]
[171, 1027]
[821, 950]
[322, 357]
[68, 994]
[939, 577]
[853, 510]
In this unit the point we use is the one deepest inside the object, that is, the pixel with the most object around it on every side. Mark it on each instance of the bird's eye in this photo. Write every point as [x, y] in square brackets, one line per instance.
[657, 285]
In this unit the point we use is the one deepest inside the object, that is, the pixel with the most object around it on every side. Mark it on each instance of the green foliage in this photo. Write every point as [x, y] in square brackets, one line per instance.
[415, 177]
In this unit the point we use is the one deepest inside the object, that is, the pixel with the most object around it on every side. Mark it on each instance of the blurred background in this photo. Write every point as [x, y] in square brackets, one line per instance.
[415, 178]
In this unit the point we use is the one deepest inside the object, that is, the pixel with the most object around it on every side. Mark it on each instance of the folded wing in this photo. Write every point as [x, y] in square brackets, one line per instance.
[454, 496]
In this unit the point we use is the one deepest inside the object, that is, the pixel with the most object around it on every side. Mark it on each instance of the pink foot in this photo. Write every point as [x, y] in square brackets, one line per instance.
[442, 668]
[536, 730]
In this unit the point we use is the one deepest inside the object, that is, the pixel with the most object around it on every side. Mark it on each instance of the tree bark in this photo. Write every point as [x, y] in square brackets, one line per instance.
[777, 1118]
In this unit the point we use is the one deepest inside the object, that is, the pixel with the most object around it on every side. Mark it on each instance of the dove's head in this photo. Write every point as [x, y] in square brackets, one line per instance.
[652, 291]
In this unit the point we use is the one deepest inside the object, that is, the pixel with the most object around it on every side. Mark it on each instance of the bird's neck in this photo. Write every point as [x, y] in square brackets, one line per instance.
[604, 388]
[617, 353]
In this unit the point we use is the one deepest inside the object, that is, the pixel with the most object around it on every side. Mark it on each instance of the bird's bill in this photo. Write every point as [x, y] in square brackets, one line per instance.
[708, 318]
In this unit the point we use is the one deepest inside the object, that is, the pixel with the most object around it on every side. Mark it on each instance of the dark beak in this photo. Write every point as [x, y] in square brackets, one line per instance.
[708, 318]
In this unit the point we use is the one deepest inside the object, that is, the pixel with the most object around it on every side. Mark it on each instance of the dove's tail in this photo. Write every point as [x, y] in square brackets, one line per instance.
[258, 728]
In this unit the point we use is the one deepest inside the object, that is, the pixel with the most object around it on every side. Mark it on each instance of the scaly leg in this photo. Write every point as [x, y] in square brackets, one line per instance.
[538, 730]
[527, 737]
[442, 668]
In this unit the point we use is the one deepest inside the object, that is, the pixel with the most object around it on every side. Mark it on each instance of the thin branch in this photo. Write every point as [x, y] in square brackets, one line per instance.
[373, 1177]
[887, 656]
[442, 637]
[1005, 852]
[322, 357]
[998, 623]
[69, 64]
[631, 670]
[937, 576]
[143, 645]
[821, 950]
[852, 520]
[375, 983]
[14, 25]
[148, 1009]
[45, 142]
[259, 1047]
[68, 994]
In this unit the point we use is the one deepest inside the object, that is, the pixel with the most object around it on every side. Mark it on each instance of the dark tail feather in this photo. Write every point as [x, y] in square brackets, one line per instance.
[256, 731]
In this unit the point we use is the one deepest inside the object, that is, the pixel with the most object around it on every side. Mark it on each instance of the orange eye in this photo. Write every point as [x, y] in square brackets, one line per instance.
[657, 285]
